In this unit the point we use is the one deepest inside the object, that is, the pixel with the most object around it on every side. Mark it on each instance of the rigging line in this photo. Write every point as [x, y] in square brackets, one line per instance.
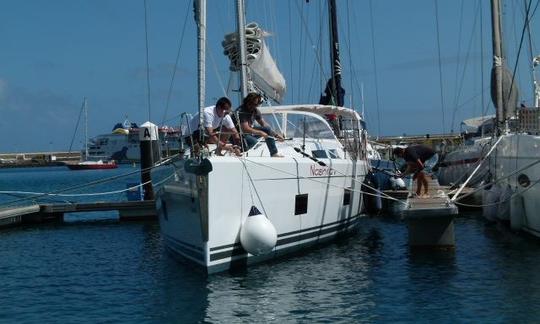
[91, 183]
[216, 70]
[308, 35]
[93, 194]
[384, 195]
[349, 49]
[253, 184]
[76, 128]
[499, 180]
[440, 64]
[531, 54]
[372, 25]
[175, 65]
[299, 70]
[492, 204]
[482, 101]
[458, 54]
[291, 86]
[519, 52]
[147, 62]
[464, 70]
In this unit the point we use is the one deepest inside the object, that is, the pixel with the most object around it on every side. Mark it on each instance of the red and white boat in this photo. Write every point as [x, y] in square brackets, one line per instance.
[93, 165]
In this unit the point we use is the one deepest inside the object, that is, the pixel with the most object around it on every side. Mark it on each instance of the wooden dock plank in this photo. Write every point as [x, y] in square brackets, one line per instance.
[128, 210]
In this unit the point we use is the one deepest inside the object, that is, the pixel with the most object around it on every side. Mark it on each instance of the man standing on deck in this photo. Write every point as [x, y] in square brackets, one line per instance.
[418, 158]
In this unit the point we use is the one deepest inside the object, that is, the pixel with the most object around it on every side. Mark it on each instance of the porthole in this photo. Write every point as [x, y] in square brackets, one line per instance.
[523, 180]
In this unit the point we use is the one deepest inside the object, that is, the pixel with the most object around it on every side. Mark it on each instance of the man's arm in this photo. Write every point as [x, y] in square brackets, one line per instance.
[263, 123]
[213, 138]
[250, 130]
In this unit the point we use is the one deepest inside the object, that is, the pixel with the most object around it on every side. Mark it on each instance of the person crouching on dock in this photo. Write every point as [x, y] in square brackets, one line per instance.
[420, 159]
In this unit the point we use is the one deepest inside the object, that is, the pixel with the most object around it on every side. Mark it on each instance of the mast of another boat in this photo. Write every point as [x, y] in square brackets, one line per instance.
[85, 104]
[497, 64]
[536, 64]
[334, 55]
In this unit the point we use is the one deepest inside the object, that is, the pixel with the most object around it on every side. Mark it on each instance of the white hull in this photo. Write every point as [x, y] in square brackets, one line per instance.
[516, 170]
[201, 216]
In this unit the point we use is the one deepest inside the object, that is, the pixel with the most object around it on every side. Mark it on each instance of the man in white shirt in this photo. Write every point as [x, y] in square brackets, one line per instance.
[218, 125]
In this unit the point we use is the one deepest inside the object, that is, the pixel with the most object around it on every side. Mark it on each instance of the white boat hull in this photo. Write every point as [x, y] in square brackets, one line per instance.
[201, 216]
[517, 174]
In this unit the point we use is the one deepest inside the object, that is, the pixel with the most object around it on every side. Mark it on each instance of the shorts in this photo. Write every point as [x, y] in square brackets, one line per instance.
[430, 163]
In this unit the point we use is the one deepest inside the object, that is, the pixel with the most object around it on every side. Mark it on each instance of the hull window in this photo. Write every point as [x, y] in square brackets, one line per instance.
[301, 203]
[347, 197]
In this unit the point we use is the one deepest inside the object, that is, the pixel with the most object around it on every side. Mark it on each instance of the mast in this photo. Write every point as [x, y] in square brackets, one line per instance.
[200, 17]
[497, 64]
[334, 56]
[240, 16]
[536, 83]
[85, 129]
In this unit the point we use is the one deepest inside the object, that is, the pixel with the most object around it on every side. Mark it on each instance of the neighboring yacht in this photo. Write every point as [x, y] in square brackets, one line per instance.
[85, 163]
[457, 165]
[220, 212]
[122, 144]
[513, 197]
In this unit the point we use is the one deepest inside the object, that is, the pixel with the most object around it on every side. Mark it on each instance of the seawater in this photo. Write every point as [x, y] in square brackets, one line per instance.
[93, 269]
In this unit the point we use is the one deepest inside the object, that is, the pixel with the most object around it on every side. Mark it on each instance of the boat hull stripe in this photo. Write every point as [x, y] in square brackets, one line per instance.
[238, 249]
[179, 247]
[289, 233]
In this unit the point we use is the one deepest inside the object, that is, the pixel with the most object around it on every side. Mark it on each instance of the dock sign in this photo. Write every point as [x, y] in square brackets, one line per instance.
[148, 132]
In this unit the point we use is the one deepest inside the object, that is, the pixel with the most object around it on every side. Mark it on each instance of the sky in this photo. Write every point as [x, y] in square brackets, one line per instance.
[411, 67]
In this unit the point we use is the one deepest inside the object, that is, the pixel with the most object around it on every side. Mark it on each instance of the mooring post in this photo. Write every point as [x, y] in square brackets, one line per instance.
[150, 152]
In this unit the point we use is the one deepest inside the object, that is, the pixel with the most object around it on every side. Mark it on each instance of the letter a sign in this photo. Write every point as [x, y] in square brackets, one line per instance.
[148, 132]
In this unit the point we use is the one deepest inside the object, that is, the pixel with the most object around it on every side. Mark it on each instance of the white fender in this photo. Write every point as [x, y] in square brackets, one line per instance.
[503, 212]
[490, 199]
[258, 235]
[397, 183]
[517, 212]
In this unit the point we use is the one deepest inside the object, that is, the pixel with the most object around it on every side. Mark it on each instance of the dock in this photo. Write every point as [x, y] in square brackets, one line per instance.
[430, 221]
[41, 213]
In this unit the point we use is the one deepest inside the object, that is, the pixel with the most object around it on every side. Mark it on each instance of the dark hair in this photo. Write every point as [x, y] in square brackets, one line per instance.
[223, 101]
[397, 151]
[250, 97]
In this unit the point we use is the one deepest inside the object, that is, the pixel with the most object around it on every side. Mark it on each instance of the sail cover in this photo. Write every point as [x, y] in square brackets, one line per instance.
[510, 91]
[263, 71]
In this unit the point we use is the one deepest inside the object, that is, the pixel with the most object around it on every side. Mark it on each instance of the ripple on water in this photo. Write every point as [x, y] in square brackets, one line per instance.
[107, 271]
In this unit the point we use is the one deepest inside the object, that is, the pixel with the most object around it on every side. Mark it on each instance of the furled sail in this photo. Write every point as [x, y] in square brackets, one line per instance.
[264, 74]
[510, 93]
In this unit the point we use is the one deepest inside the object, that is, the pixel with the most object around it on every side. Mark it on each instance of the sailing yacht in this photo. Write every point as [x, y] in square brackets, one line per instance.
[87, 164]
[222, 212]
[515, 162]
